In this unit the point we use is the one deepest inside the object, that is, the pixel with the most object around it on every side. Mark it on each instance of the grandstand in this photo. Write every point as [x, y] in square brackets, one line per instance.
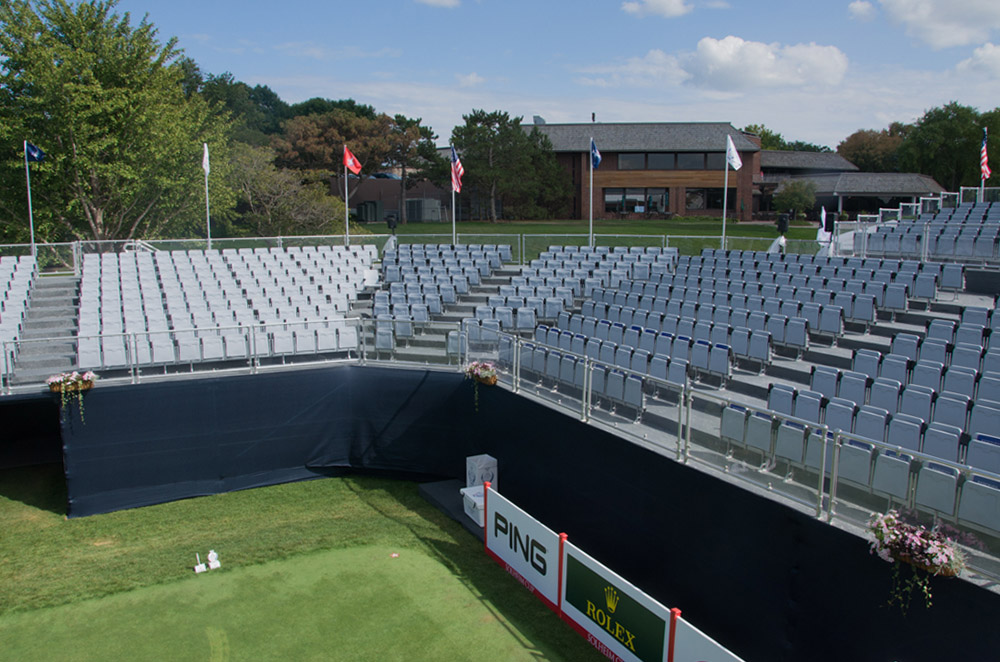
[837, 385]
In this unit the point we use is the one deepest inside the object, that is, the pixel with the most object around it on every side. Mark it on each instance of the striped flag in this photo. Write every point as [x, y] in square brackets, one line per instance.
[984, 159]
[456, 171]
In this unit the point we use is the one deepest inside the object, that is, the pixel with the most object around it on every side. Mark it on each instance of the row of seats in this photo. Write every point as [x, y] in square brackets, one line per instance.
[930, 486]
[431, 251]
[111, 351]
[17, 278]
[634, 352]
[657, 334]
[753, 312]
[166, 293]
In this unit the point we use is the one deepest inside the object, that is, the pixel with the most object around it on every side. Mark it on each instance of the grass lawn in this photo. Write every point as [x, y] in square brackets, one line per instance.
[688, 235]
[307, 574]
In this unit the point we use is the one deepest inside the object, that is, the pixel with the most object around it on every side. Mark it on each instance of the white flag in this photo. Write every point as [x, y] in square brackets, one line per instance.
[204, 159]
[732, 156]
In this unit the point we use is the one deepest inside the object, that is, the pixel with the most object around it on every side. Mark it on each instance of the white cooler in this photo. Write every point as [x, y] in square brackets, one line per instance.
[473, 498]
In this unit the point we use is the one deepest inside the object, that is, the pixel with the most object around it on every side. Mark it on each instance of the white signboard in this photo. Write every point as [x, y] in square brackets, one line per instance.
[528, 549]
[691, 645]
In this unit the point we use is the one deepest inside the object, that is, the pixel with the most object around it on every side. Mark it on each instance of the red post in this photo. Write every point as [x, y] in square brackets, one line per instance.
[675, 613]
[486, 515]
[562, 555]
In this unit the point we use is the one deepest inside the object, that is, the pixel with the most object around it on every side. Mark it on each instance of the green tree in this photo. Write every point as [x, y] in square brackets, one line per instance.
[945, 144]
[874, 151]
[795, 196]
[256, 112]
[773, 140]
[320, 106]
[276, 202]
[413, 151]
[106, 101]
[509, 166]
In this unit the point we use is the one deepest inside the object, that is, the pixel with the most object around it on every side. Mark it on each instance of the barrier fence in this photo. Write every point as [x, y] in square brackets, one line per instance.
[613, 615]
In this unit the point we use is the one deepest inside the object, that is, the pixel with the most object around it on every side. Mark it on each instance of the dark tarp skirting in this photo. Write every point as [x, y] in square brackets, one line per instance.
[763, 579]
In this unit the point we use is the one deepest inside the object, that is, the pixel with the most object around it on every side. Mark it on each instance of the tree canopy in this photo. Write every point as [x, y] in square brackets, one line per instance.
[509, 166]
[874, 151]
[104, 99]
[796, 197]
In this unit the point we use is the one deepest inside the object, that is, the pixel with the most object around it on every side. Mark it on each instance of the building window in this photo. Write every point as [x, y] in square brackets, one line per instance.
[695, 198]
[715, 160]
[709, 198]
[636, 200]
[632, 161]
[614, 200]
[691, 161]
[657, 200]
[662, 161]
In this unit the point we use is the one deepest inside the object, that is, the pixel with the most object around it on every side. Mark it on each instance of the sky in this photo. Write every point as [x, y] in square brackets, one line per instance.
[811, 70]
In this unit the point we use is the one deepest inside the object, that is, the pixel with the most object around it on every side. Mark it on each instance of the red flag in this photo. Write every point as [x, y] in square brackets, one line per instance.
[350, 162]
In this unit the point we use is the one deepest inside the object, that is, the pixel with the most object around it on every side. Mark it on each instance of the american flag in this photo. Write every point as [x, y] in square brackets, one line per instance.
[984, 160]
[456, 171]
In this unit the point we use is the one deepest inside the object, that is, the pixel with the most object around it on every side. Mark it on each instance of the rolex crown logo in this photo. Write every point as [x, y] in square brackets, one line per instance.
[611, 599]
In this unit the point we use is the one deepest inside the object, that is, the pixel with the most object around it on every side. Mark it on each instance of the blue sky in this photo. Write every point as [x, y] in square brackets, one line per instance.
[813, 70]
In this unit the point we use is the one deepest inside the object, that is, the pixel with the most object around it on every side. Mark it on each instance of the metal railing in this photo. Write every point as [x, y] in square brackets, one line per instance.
[682, 421]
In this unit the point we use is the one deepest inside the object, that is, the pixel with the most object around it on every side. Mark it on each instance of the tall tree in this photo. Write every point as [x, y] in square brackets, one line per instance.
[256, 112]
[945, 144]
[275, 202]
[874, 151]
[413, 151]
[492, 154]
[105, 100]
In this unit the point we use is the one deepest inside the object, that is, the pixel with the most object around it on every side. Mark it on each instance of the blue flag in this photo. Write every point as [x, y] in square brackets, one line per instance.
[595, 156]
[32, 153]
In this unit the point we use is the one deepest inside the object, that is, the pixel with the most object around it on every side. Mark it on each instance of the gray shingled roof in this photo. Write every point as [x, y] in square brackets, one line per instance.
[871, 183]
[645, 137]
[786, 160]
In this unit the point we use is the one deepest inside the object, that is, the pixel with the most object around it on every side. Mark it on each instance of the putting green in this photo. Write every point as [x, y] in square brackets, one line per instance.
[355, 604]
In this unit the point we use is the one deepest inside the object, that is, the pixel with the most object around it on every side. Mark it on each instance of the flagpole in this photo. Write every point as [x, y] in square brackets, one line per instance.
[347, 209]
[208, 215]
[590, 234]
[454, 231]
[31, 217]
[725, 200]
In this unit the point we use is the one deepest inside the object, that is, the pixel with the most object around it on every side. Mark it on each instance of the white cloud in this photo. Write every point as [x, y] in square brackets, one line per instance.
[470, 80]
[725, 67]
[665, 8]
[732, 63]
[946, 23]
[655, 68]
[441, 3]
[861, 10]
[984, 60]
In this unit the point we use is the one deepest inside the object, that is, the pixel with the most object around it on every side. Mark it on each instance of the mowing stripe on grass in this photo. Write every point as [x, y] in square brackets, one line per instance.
[352, 604]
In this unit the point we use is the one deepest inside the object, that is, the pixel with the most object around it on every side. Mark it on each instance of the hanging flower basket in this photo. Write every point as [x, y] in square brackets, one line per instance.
[481, 372]
[928, 552]
[67, 383]
[71, 387]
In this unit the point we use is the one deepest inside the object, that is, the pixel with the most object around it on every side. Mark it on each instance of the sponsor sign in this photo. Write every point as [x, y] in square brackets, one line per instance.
[692, 645]
[524, 546]
[619, 620]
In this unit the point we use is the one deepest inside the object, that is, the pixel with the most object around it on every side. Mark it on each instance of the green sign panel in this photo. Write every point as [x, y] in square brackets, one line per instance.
[611, 609]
